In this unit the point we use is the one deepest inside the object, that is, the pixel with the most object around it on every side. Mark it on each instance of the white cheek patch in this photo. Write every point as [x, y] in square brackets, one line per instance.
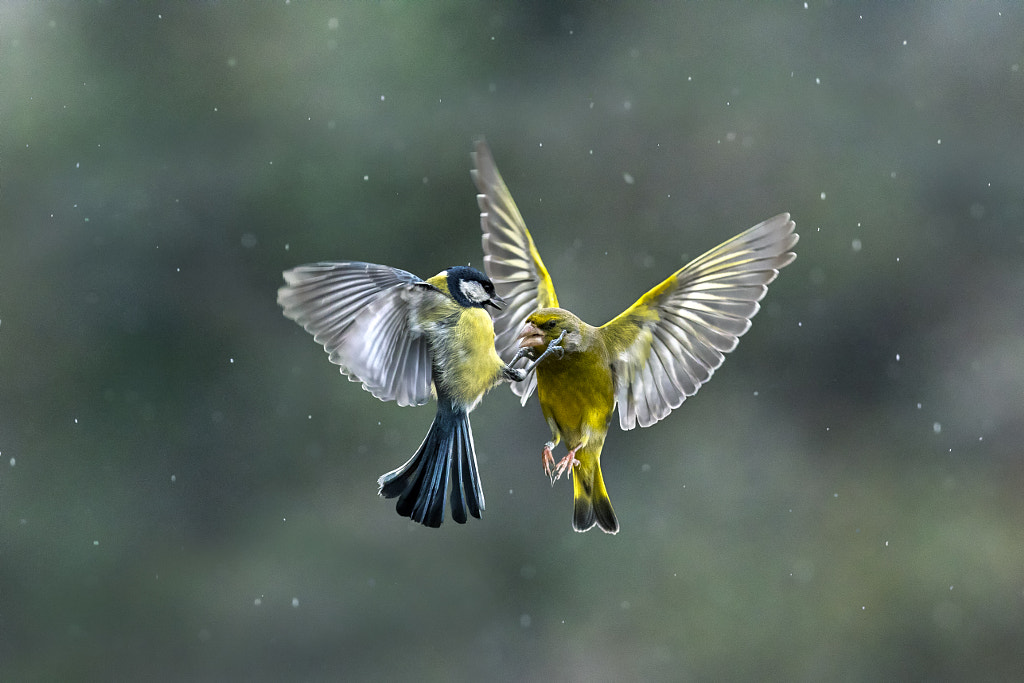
[474, 291]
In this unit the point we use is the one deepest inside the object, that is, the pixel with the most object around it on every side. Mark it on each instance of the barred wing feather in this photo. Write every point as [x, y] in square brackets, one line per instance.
[359, 312]
[670, 342]
[511, 261]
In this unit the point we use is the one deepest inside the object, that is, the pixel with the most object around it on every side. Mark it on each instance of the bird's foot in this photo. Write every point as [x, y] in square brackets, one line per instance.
[518, 375]
[553, 470]
[566, 464]
[524, 352]
[513, 374]
[549, 462]
[554, 348]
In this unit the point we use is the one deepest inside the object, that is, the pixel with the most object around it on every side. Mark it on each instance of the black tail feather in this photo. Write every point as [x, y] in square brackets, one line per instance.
[446, 453]
[466, 490]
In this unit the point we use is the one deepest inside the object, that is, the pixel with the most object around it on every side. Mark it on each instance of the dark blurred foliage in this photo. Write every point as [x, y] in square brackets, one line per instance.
[187, 486]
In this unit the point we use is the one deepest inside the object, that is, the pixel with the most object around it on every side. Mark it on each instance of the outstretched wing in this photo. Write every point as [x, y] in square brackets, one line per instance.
[511, 260]
[667, 344]
[360, 313]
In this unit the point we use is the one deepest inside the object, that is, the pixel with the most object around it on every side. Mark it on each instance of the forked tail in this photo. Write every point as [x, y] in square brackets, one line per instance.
[446, 453]
[591, 504]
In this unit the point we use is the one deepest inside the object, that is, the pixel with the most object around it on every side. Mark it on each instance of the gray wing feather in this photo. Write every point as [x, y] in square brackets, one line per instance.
[699, 321]
[359, 312]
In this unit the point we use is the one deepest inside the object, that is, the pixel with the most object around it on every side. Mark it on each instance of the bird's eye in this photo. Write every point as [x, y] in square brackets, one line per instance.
[547, 325]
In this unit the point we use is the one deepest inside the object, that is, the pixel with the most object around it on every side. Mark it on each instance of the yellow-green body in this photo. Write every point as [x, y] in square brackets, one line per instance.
[466, 364]
[642, 364]
[576, 395]
[409, 340]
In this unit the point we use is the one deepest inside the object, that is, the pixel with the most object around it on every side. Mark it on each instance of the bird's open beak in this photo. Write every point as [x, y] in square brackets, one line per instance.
[495, 302]
[530, 336]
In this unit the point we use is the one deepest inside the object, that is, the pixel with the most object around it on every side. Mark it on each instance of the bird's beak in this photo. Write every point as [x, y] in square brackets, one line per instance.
[495, 302]
[530, 336]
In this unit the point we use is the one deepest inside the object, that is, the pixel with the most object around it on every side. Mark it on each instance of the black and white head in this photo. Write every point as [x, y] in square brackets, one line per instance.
[471, 288]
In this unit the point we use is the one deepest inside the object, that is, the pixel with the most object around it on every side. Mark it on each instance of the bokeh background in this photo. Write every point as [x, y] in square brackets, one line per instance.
[188, 486]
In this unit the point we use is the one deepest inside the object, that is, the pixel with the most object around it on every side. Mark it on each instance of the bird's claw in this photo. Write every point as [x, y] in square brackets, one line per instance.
[549, 463]
[514, 374]
[522, 353]
[555, 347]
[566, 464]
[518, 375]
[556, 470]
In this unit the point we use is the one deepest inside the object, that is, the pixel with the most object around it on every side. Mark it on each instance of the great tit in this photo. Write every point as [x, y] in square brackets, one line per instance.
[646, 361]
[407, 340]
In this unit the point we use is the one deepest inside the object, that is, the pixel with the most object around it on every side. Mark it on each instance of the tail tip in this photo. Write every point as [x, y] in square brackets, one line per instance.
[587, 514]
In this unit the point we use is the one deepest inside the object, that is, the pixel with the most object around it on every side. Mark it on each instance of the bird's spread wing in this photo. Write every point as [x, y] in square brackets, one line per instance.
[667, 344]
[511, 260]
[360, 313]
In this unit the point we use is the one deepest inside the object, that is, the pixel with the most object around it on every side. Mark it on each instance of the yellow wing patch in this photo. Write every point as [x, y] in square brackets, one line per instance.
[511, 260]
[670, 342]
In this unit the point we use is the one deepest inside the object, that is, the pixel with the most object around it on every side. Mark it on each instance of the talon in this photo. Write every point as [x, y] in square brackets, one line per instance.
[514, 374]
[555, 346]
[521, 354]
[566, 463]
[549, 462]
[553, 349]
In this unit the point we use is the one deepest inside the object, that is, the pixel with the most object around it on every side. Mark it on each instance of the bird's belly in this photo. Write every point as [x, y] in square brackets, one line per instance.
[465, 362]
[578, 397]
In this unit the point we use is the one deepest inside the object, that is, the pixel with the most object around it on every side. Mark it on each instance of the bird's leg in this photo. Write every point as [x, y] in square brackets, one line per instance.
[553, 349]
[515, 374]
[567, 463]
[554, 471]
[549, 461]
[522, 353]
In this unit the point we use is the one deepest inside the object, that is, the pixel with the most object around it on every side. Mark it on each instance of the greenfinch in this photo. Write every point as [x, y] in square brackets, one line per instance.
[645, 362]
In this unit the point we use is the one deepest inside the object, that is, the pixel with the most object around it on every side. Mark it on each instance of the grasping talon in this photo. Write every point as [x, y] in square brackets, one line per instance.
[553, 349]
[518, 375]
[513, 374]
[555, 346]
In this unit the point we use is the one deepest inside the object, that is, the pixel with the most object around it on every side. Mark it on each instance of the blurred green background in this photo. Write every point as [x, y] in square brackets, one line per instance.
[188, 486]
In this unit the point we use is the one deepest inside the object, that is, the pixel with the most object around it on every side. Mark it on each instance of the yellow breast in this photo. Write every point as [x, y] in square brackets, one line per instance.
[576, 392]
[465, 358]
